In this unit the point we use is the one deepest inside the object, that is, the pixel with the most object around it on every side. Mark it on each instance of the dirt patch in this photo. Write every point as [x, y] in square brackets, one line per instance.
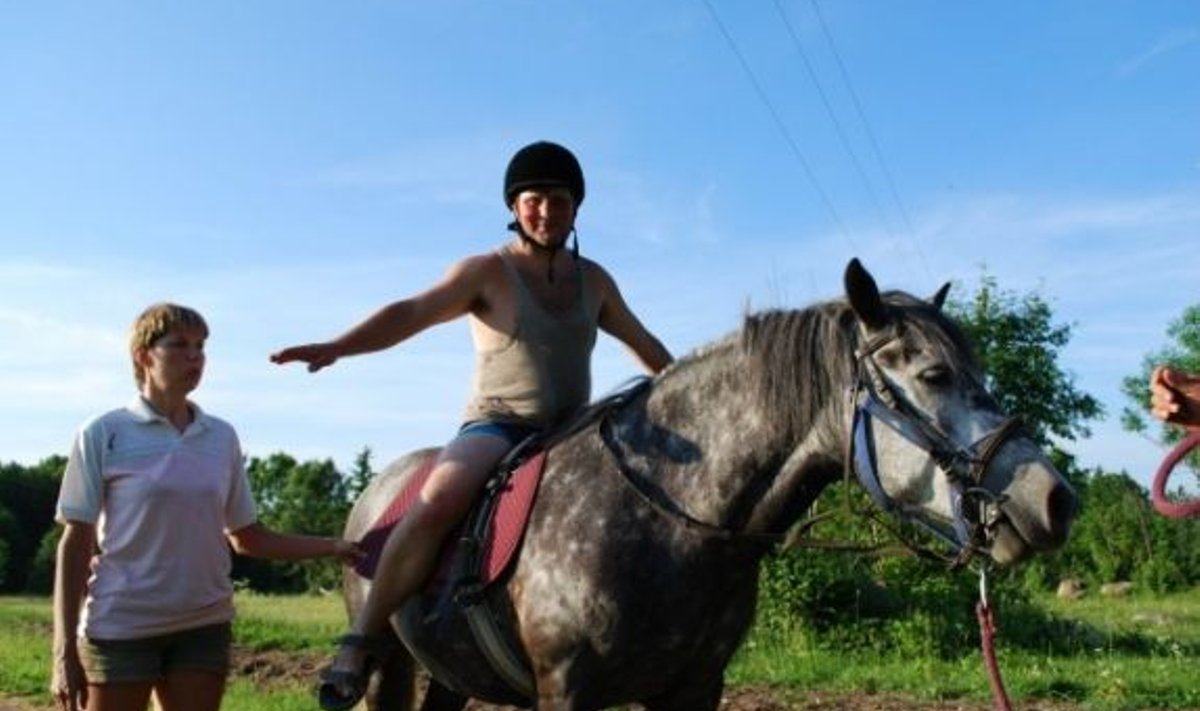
[274, 668]
[270, 668]
[763, 698]
[277, 668]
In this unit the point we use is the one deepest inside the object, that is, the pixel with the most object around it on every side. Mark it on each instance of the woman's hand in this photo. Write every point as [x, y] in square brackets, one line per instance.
[68, 683]
[347, 551]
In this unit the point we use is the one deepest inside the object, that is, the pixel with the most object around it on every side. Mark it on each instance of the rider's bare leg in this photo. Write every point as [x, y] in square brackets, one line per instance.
[411, 550]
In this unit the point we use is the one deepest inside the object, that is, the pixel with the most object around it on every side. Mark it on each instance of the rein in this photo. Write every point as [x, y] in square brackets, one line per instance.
[669, 508]
[1158, 492]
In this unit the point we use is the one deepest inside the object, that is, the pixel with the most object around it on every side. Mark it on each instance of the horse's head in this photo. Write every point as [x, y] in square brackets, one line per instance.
[929, 442]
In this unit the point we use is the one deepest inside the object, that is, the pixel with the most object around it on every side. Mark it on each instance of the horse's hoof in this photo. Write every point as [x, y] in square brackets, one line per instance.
[333, 681]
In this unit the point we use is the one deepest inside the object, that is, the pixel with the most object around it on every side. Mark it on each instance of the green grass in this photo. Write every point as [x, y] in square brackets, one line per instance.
[1127, 653]
[301, 627]
[25, 631]
[1124, 653]
[289, 623]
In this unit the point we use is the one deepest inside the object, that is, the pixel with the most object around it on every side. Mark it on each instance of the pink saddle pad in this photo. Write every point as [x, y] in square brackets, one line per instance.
[508, 521]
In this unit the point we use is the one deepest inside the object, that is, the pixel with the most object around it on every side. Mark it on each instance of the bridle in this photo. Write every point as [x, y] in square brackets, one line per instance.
[976, 511]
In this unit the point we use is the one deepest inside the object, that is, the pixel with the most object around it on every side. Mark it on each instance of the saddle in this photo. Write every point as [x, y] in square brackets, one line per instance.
[479, 555]
[492, 533]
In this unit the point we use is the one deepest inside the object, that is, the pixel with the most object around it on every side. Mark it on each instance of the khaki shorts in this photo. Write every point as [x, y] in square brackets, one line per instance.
[116, 661]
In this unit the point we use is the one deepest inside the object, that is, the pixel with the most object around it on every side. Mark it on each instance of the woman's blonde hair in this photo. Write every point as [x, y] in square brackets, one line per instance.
[157, 321]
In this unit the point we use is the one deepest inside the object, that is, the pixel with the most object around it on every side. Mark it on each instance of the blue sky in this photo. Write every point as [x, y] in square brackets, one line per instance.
[287, 167]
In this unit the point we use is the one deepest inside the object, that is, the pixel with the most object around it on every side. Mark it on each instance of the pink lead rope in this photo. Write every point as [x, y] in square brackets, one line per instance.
[1158, 493]
[987, 632]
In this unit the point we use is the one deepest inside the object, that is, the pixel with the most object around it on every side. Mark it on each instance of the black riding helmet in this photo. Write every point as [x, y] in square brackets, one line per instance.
[543, 165]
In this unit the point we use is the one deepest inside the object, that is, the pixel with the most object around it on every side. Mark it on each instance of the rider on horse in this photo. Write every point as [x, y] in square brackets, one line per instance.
[534, 309]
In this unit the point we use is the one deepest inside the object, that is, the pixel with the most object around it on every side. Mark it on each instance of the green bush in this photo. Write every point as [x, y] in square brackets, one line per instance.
[851, 603]
[41, 572]
[10, 538]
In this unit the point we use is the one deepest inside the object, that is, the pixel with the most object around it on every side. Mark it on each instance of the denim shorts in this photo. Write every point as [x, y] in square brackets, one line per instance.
[115, 661]
[511, 432]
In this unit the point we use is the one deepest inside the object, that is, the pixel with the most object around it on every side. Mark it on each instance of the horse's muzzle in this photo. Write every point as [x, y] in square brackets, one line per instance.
[1038, 520]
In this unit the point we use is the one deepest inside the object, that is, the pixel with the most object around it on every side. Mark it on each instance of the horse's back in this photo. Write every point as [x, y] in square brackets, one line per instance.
[383, 489]
[371, 504]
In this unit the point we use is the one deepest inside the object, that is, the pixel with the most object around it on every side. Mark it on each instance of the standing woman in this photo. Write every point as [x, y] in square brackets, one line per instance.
[152, 496]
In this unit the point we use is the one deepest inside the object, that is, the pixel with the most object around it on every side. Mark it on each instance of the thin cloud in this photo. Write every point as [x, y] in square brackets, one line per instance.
[15, 273]
[442, 169]
[1166, 44]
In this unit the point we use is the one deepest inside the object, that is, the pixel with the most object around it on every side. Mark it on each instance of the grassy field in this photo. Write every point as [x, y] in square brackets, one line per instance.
[1129, 653]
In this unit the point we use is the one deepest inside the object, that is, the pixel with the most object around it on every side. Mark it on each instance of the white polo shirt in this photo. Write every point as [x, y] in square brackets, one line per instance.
[162, 502]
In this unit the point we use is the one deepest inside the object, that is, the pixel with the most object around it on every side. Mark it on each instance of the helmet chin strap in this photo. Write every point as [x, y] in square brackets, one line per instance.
[550, 252]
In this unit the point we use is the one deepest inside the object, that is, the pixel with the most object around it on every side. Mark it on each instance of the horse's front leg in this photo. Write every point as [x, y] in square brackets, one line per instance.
[554, 692]
[392, 685]
[554, 697]
[440, 698]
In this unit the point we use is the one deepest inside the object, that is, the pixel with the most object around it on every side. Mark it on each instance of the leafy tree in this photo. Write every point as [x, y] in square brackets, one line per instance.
[360, 475]
[8, 529]
[29, 495]
[306, 498]
[1018, 346]
[1183, 353]
[1113, 531]
[41, 573]
[309, 497]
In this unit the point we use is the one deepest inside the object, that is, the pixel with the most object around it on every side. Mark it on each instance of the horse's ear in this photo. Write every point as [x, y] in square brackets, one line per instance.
[864, 295]
[939, 299]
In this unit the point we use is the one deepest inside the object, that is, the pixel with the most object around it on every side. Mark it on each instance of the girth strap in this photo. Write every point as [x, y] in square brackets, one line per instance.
[469, 590]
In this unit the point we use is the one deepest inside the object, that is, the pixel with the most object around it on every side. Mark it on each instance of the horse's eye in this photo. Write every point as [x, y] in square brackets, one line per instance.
[936, 375]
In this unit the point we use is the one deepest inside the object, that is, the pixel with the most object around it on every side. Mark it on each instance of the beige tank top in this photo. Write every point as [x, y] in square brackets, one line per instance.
[543, 373]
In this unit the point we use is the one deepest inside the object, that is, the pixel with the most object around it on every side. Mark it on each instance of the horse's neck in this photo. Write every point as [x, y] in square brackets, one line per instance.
[712, 446]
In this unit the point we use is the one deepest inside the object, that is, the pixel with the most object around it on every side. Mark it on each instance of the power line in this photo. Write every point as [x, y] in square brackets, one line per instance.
[862, 116]
[833, 117]
[762, 95]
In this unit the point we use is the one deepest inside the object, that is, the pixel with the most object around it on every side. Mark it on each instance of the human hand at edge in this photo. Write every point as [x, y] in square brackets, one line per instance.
[1175, 396]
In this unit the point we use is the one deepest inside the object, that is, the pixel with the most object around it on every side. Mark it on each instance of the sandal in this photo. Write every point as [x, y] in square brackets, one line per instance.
[329, 693]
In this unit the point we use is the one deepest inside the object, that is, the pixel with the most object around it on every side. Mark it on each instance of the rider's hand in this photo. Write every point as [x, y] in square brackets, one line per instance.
[316, 355]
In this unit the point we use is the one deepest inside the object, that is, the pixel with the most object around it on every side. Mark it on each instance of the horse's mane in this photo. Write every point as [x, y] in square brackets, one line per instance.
[800, 359]
[797, 359]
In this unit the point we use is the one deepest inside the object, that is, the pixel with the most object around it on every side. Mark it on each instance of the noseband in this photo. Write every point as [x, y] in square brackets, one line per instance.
[976, 510]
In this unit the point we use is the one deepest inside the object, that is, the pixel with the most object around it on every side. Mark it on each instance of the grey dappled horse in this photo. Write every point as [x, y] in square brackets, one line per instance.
[637, 577]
